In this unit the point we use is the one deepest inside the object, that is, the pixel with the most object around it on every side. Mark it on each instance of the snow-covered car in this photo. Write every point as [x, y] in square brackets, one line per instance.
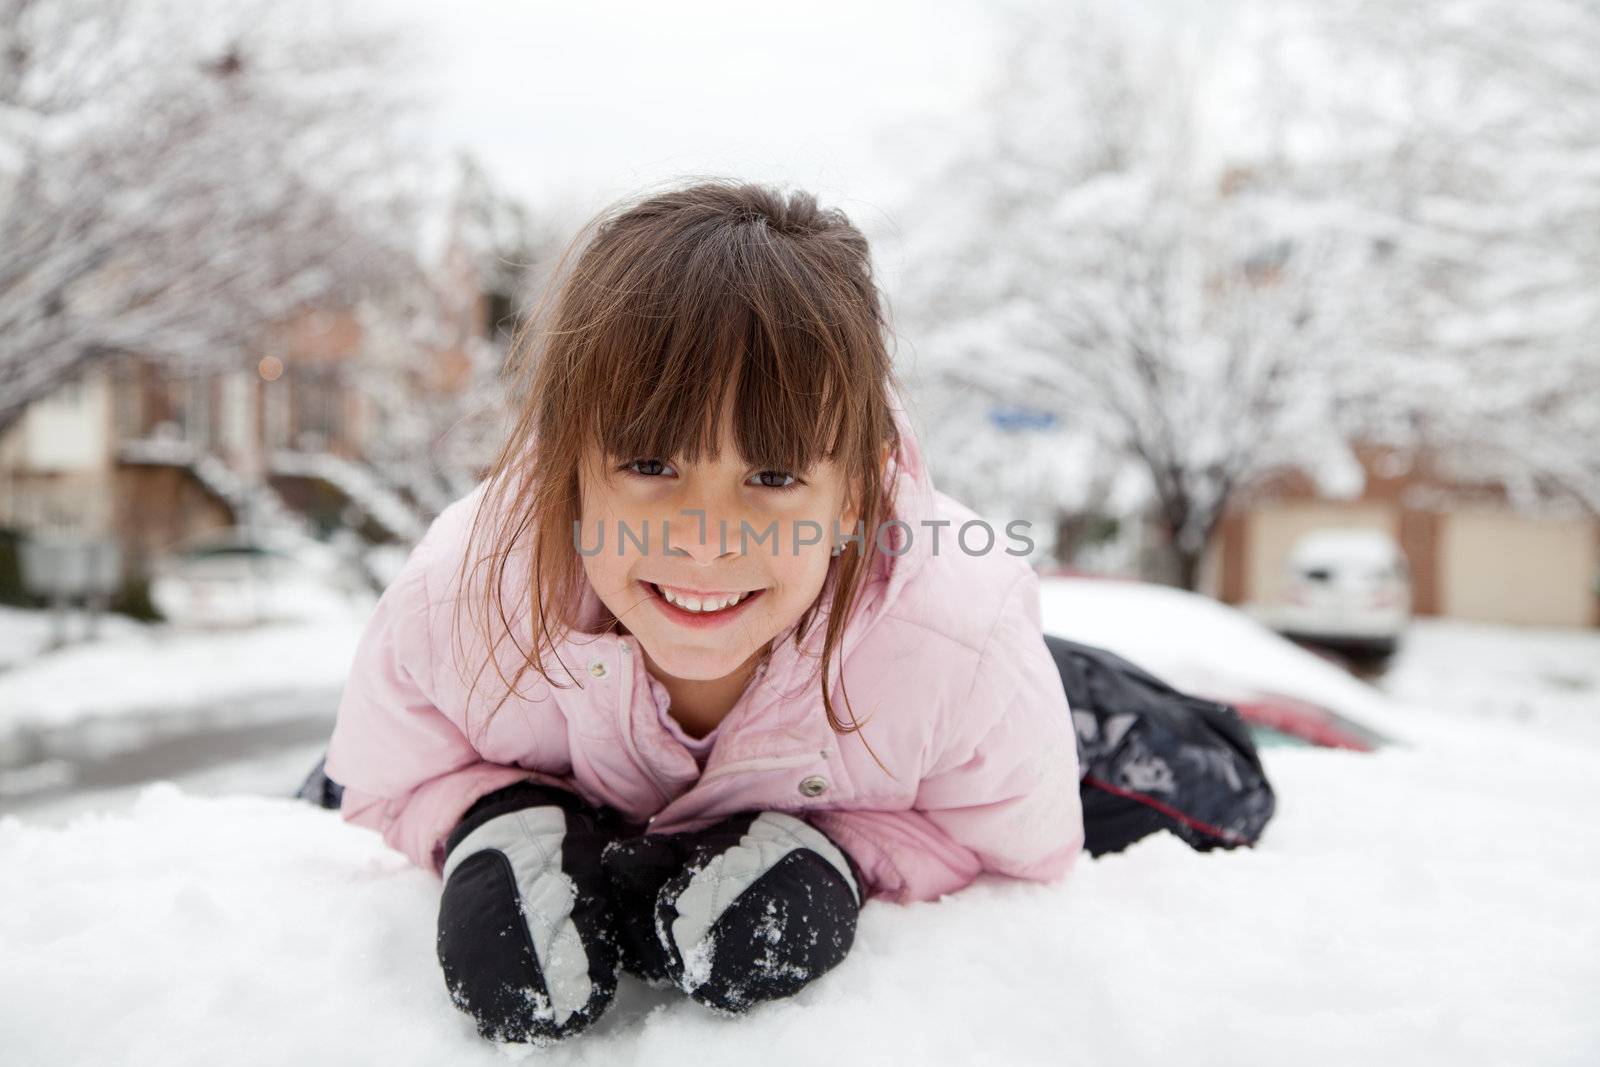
[1287, 695]
[1349, 589]
[235, 578]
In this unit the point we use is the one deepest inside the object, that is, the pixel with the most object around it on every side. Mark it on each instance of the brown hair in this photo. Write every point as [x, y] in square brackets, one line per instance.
[655, 310]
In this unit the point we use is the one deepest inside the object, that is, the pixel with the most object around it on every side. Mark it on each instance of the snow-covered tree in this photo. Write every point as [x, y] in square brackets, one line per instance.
[432, 366]
[1114, 244]
[176, 176]
[1468, 133]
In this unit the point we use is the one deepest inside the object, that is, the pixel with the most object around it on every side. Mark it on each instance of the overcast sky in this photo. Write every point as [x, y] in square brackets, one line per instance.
[572, 105]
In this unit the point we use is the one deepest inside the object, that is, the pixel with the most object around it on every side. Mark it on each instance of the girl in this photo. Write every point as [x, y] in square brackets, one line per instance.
[706, 661]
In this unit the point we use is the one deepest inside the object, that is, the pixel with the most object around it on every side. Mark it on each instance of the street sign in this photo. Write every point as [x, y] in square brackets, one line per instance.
[1015, 418]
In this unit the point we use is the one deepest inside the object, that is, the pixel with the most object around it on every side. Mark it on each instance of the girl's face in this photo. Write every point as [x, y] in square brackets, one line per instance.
[678, 528]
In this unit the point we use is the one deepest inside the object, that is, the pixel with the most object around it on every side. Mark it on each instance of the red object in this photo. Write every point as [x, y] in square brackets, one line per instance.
[1305, 720]
[1149, 801]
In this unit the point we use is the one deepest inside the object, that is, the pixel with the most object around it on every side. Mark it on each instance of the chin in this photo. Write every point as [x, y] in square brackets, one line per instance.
[696, 664]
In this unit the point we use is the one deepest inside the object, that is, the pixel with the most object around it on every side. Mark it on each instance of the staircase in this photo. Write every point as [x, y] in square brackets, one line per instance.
[360, 484]
[254, 505]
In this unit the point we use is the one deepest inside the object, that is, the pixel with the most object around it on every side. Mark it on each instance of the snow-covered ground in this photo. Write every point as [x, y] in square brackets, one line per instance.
[1547, 680]
[1435, 902]
[84, 728]
[137, 668]
[26, 635]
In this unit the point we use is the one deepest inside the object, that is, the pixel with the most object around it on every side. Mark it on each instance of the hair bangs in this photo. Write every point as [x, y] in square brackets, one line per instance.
[670, 361]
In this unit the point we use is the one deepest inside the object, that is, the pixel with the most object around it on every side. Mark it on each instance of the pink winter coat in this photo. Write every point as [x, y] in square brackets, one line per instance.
[944, 661]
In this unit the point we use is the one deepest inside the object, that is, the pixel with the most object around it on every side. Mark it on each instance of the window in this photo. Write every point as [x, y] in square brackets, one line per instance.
[129, 404]
[499, 316]
[318, 400]
[275, 414]
[197, 412]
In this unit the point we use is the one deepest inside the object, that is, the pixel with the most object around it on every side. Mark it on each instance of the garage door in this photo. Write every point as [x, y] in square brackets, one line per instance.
[1499, 567]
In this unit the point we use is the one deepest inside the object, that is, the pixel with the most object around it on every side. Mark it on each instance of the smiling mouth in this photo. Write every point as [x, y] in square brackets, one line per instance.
[702, 604]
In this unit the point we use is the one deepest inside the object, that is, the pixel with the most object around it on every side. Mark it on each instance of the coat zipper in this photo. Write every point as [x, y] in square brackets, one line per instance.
[743, 766]
[624, 705]
[760, 762]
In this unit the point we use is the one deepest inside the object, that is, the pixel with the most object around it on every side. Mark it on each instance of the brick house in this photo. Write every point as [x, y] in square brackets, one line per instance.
[145, 454]
[1473, 555]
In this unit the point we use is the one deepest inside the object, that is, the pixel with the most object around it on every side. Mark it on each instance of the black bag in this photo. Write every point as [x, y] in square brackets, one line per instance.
[1152, 758]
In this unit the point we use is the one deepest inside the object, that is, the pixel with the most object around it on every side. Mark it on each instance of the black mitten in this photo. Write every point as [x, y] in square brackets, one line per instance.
[748, 910]
[525, 921]
[638, 867]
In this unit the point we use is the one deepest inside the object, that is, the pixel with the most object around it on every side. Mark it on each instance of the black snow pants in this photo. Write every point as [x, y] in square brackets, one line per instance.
[1153, 758]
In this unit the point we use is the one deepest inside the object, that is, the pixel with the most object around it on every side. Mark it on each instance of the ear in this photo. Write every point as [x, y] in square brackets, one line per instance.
[851, 513]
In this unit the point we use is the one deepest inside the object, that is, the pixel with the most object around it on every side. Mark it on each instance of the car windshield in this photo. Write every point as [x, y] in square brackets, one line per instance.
[1270, 737]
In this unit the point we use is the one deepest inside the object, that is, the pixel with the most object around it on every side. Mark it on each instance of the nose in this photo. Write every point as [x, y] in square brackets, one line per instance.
[703, 534]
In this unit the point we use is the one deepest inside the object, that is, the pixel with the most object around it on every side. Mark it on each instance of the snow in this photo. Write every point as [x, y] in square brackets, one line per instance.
[1429, 903]
[139, 670]
[357, 482]
[1207, 647]
[25, 634]
[1396, 892]
[1446, 673]
[1526, 677]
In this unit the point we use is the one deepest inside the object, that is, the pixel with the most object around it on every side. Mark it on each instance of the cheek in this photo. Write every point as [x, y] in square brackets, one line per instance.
[596, 501]
[801, 576]
[606, 573]
[599, 519]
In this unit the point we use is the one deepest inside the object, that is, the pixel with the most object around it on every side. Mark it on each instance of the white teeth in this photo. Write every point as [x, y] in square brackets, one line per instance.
[696, 604]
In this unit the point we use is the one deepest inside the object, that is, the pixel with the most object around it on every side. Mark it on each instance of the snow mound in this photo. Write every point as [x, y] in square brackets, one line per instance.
[1421, 905]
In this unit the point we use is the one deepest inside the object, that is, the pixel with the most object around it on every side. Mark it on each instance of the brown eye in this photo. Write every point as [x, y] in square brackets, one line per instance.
[633, 465]
[778, 475]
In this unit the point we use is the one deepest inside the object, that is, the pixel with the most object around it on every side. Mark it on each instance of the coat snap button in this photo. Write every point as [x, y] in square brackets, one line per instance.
[598, 668]
[814, 786]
